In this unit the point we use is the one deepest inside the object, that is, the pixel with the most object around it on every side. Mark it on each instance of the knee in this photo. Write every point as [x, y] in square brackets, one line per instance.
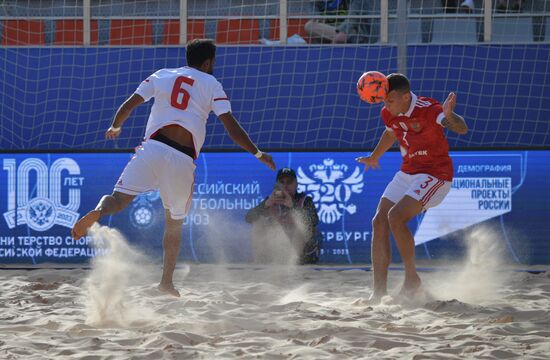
[380, 221]
[340, 38]
[121, 200]
[395, 217]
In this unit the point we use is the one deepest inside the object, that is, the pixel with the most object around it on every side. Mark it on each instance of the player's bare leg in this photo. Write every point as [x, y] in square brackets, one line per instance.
[380, 250]
[171, 249]
[109, 204]
[398, 217]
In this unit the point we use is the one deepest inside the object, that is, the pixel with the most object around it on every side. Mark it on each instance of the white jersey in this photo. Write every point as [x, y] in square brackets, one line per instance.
[183, 96]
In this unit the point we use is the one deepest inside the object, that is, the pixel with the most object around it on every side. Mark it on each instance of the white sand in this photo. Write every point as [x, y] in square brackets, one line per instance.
[268, 312]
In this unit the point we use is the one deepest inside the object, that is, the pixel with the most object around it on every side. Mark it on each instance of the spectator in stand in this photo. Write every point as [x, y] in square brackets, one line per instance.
[535, 7]
[453, 6]
[351, 31]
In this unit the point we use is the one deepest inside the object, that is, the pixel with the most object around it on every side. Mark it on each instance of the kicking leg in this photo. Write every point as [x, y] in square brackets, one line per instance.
[398, 217]
[171, 250]
[380, 249]
[109, 204]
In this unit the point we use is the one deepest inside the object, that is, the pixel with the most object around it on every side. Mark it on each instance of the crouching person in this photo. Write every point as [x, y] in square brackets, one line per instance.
[284, 225]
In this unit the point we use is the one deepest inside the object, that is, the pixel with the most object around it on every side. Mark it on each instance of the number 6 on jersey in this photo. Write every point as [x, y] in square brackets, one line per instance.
[180, 97]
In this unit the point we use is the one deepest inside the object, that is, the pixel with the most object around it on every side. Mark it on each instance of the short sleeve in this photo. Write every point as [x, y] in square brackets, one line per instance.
[384, 116]
[440, 118]
[435, 114]
[220, 101]
[146, 89]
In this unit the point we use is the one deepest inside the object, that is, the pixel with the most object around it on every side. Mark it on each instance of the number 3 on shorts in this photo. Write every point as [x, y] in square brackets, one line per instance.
[180, 97]
[425, 184]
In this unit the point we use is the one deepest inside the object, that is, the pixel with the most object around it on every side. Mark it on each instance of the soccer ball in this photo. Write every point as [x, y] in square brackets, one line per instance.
[372, 87]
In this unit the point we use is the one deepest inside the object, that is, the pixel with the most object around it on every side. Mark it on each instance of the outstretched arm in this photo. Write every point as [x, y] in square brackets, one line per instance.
[122, 115]
[241, 138]
[453, 121]
[386, 141]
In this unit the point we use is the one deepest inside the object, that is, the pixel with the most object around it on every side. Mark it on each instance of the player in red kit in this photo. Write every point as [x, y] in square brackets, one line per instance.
[418, 124]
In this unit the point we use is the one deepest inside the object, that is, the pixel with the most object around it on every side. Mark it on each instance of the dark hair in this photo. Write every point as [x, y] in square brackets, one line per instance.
[398, 82]
[200, 50]
[286, 172]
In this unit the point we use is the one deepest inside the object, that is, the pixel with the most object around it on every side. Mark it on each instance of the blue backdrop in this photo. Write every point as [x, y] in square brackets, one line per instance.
[504, 193]
[286, 97]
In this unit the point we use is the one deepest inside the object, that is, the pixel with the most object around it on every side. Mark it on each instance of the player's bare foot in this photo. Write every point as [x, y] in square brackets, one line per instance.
[81, 227]
[376, 298]
[169, 289]
[411, 287]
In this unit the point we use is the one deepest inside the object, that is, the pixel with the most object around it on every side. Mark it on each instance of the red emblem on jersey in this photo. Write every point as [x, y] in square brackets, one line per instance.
[417, 192]
[415, 125]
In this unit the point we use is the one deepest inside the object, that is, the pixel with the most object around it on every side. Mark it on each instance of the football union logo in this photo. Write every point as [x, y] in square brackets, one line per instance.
[331, 187]
[38, 204]
[142, 214]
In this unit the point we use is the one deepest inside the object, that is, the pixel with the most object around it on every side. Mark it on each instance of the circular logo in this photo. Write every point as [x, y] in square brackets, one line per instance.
[40, 214]
[142, 215]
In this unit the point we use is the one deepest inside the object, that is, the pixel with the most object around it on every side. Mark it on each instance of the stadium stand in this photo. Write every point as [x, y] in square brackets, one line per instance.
[171, 31]
[238, 31]
[71, 32]
[131, 32]
[23, 32]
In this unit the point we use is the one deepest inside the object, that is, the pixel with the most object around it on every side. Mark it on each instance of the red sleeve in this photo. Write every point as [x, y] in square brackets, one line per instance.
[384, 114]
[435, 114]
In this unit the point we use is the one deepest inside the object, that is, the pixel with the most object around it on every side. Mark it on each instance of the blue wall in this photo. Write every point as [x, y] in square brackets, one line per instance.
[501, 193]
[286, 97]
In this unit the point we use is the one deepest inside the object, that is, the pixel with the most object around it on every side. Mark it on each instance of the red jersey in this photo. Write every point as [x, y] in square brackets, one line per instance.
[422, 140]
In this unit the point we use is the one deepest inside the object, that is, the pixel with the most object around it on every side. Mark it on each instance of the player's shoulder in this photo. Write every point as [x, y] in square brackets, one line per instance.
[163, 73]
[385, 114]
[197, 73]
[206, 79]
[425, 102]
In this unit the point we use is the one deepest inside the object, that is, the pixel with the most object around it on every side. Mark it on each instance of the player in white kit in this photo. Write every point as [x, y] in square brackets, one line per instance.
[174, 136]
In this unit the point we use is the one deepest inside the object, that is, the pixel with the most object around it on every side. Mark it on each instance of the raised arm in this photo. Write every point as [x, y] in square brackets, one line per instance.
[386, 141]
[453, 121]
[241, 138]
[122, 115]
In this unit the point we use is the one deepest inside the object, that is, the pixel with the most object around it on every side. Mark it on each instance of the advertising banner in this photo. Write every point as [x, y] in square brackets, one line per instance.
[42, 195]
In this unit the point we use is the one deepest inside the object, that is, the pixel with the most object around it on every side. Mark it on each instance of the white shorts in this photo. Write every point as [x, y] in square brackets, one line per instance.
[156, 165]
[427, 189]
